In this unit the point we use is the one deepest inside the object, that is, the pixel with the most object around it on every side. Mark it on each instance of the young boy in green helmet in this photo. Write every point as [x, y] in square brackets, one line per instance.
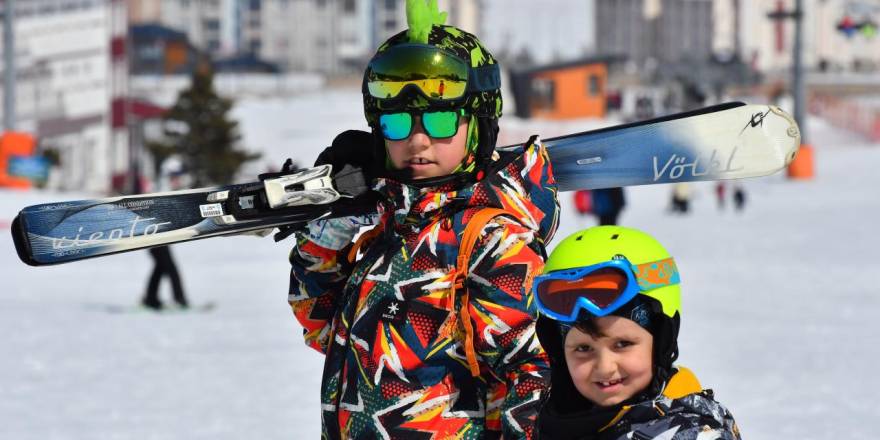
[423, 339]
[609, 299]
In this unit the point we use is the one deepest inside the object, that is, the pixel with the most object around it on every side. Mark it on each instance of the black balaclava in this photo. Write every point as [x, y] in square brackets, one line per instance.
[643, 310]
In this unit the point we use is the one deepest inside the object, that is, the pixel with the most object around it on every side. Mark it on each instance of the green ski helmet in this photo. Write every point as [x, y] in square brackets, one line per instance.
[406, 73]
[652, 288]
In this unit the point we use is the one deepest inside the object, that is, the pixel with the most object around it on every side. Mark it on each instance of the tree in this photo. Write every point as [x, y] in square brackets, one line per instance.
[199, 129]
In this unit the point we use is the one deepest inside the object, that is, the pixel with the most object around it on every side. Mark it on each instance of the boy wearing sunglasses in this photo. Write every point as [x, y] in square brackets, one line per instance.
[414, 347]
[609, 300]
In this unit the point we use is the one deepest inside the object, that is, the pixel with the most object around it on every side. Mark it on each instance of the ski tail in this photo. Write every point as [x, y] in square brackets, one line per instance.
[22, 245]
[57, 233]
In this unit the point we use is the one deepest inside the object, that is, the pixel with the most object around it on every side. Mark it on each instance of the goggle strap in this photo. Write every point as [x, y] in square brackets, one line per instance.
[484, 78]
[656, 274]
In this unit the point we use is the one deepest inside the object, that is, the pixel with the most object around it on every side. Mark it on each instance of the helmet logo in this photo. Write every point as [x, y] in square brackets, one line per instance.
[641, 315]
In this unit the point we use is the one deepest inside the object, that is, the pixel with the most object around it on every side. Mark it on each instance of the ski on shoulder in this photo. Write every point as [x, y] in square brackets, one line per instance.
[728, 141]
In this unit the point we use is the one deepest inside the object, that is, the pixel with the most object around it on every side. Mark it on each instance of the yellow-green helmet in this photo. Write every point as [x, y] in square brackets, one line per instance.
[608, 246]
[606, 243]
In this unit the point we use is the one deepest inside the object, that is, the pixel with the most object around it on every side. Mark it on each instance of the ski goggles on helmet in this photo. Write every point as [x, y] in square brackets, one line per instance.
[437, 74]
[599, 289]
[437, 124]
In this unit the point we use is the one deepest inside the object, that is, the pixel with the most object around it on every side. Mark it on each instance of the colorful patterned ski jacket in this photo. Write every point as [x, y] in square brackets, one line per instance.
[390, 325]
[683, 411]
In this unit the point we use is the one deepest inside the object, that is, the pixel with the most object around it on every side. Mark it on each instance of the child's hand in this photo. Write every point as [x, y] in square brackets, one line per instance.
[357, 148]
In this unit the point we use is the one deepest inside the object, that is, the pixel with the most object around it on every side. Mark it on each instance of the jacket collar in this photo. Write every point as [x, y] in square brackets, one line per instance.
[522, 184]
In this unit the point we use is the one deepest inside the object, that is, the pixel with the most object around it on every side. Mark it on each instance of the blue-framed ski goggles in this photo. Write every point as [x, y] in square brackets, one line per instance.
[437, 124]
[599, 289]
[436, 73]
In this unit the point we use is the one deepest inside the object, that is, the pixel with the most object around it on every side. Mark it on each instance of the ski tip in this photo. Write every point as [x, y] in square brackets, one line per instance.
[793, 132]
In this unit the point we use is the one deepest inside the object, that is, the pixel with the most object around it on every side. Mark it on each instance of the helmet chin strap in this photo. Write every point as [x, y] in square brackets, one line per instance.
[472, 144]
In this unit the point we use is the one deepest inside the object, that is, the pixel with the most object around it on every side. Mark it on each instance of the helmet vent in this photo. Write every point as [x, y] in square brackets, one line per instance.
[614, 237]
[579, 237]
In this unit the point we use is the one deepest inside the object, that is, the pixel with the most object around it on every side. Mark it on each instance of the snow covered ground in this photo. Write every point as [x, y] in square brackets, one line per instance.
[780, 309]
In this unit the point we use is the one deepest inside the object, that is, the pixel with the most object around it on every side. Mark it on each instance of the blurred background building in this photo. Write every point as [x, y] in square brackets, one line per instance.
[327, 36]
[62, 95]
[91, 73]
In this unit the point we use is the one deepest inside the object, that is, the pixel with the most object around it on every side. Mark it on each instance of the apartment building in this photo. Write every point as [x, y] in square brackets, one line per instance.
[63, 85]
[659, 30]
[325, 36]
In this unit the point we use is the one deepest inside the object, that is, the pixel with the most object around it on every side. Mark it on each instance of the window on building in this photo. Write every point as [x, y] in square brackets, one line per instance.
[211, 24]
[255, 45]
[255, 5]
[349, 6]
[391, 5]
[390, 24]
[321, 3]
[594, 86]
[47, 9]
[213, 45]
[151, 52]
[543, 93]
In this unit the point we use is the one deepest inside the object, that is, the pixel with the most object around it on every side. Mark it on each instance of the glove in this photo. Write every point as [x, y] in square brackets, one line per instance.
[337, 233]
[356, 148]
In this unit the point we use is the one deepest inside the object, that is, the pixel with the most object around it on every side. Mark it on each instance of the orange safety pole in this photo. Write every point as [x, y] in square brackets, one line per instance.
[801, 167]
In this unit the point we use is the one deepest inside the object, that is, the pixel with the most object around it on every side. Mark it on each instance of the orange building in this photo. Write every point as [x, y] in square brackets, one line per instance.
[160, 50]
[574, 89]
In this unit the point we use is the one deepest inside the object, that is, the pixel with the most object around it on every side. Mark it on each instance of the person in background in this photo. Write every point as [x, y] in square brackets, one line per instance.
[739, 197]
[583, 202]
[164, 266]
[681, 198]
[607, 204]
[720, 192]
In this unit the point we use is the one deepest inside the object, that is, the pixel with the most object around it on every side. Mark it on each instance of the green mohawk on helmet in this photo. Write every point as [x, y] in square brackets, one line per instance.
[420, 17]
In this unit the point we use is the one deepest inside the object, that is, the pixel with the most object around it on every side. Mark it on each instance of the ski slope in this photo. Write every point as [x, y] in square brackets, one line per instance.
[780, 305]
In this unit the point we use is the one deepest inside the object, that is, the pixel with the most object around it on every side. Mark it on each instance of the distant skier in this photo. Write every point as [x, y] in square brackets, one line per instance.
[163, 262]
[681, 198]
[720, 192]
[739, 197]
[163, 265]
[607, 204]
[583, 202]
[610, 313]
[419, 343]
